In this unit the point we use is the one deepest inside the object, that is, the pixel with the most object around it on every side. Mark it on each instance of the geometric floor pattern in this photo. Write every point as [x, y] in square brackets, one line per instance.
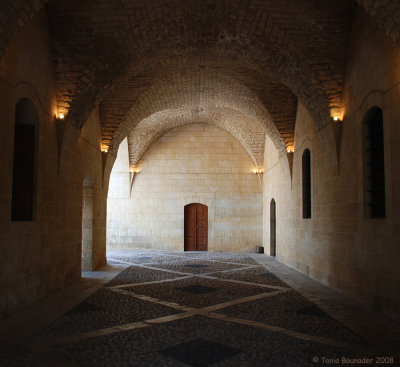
[195, 309]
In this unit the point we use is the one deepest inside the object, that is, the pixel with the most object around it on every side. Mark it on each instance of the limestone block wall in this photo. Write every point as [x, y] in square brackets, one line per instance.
[42, 255]
[196, 163]
[338, 246]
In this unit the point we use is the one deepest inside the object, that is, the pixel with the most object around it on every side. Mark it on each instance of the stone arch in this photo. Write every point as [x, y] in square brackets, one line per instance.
[16, 15]
[384, 13]
[224, 94]
[153, 127]
[197, 30]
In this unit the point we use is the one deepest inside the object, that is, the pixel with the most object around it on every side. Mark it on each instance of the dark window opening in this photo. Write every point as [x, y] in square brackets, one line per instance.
[23, 188]
[374, 164]
[306, 184]
[272, 228]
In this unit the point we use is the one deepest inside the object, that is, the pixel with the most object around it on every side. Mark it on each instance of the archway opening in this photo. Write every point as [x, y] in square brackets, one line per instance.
[193, 163]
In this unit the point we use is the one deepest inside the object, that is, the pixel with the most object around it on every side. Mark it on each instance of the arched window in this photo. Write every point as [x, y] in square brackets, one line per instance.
[374, 164]
[306, 184]
[272, 227]
[24, 161]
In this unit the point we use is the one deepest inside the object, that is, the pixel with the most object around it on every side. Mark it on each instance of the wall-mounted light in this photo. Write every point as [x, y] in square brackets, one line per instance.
[289, 150]
[258, 170]
[133, 169]
[336, 119]
[337, 113]
[104, 148]
[61, 116]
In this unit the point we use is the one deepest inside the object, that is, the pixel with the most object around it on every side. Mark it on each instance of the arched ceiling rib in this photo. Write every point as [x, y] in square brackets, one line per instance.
[152, 128]
[386, 14]
[201, 91]
[99, 44]
[200, 81]
[15, 13]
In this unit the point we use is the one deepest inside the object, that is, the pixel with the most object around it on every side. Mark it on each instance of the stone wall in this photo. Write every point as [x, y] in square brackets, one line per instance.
[195, 163]
[338, 246]
[40, 256]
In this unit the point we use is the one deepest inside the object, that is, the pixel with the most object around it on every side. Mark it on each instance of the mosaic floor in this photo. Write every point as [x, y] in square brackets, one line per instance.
[195, 309]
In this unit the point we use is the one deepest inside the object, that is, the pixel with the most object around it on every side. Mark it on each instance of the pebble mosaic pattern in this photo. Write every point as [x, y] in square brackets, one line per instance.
[254, 275]
[291, 310]
[179, 291]
[136, 274]
[200, 309]
[20, 357]
[147, 347]
[195, 266]
[104, 309]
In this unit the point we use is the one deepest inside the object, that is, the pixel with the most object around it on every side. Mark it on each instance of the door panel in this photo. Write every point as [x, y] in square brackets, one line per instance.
[196, 227]
[190, 227]
[202, 228]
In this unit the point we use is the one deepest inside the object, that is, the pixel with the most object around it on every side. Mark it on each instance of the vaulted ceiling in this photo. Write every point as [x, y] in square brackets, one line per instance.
[242, 65]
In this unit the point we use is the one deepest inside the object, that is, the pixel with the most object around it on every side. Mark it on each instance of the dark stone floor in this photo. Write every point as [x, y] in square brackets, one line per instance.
[195, 309]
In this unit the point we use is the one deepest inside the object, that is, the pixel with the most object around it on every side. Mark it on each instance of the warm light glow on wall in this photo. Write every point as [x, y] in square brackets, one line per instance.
[133, 169]
[289, 149]
[337, 119]
[337, 115]
[258, 170]
[104, 148]
[60, 113]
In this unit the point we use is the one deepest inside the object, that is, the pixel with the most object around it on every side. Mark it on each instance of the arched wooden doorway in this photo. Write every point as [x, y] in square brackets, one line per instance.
[196, 227]
[272, 228]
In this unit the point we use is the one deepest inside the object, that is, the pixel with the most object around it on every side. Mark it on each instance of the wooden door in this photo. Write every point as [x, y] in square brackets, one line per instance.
[196, 227]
